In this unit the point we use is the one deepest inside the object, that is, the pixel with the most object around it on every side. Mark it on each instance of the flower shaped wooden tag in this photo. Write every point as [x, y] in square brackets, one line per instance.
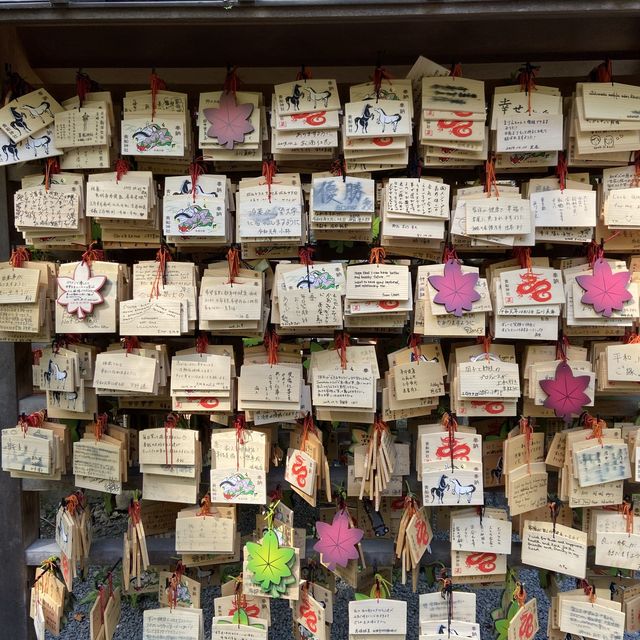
[82, 292]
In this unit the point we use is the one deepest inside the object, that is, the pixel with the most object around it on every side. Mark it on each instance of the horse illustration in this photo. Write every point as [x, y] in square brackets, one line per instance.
[322, 96]
[462, 490]
[496, 473]
[185, 188]
[294, 98]
[363, 120]
[10, 149]
[192, 217]
[18, 121]
[153, 135]
[54, 370]
[385, 120]
[71, 396]
[37, 143]
[42, 108]
[442, 629]
[382, 94]
[318, 279]
[438, 492]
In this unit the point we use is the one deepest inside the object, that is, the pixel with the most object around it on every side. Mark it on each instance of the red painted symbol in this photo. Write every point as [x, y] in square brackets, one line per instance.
[252, 610]
[534, 286]
[388, 304]
[313, 119]
[299, 470]
[453, 448]
[526, 625]
[309, 616]
[422, 537]
[459, 128]
[208, 403]
[493, 407]
[486, 562]
[382, 142]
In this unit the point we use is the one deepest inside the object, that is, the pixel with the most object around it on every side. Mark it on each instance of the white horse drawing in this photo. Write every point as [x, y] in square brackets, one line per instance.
[38, 143]
[37, 112]
[384, 119]
[322, 96]
[459, 490]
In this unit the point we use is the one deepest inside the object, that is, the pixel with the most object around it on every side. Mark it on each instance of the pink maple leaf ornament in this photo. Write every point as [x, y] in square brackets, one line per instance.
[81, 292]
[456, 290]
[565, 392]
[229, 121]
[604, 289]
[338, 541]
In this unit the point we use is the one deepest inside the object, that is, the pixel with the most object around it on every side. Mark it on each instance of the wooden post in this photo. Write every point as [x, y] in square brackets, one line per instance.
[19, 511]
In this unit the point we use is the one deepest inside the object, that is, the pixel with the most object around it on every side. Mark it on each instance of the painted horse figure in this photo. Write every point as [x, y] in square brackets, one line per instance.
[294, 98]
[363, 120]
[38, 143]
[322, 96]
[496, 473]
[10, 149]
[438, 492]
[385, 120]
[42, 108]
[466, 490]
[19, 121]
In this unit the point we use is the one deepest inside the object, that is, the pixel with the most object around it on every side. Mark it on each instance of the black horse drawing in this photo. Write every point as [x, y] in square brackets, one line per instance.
[438, 492]
[294, 98]
[363, 120]
[10, 149]
[19, 121]
[496, 473]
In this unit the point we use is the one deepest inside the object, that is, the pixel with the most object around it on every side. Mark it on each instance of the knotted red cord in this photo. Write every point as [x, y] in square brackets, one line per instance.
[490, 182]
[415, 342]
[239, 424]
[380, 74]
[377, 255]
[341, 342]
[52, 166]
[122, 168]
[162, 257]
[561, 170]
[269, 170]
[233, 262]
[196, 169]
[19, 256]
[157, 84]
[271, 343]
[92, 254]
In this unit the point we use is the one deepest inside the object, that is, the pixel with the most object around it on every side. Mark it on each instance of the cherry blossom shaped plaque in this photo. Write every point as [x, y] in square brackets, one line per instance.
[456, 290]
[81, 293]
[604, 289]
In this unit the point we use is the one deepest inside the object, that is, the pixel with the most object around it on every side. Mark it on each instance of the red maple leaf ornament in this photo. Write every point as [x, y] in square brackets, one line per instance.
[604, 289]
[229, 121]
[565, 392]
[456, 290]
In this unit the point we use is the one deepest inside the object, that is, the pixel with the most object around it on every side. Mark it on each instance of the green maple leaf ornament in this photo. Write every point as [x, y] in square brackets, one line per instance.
[270, 563]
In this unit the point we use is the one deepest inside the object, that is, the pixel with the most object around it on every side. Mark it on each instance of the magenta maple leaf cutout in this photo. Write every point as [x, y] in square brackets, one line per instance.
[230, 121]
[604, 289]
[565, 392]
[338, 541]
[456, 290]
[81, 293]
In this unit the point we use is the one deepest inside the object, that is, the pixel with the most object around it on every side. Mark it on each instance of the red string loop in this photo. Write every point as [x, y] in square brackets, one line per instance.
[271, 343]
[379, 75]
[19, 256]
[157, 84]
[561, 170]
[377, 255]
[231, 81]
[122, 168]
[196, 169]
[202, 342]
[490, 182]
[269, 170]
[341, 342]
[51, 167]
[162, 257]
